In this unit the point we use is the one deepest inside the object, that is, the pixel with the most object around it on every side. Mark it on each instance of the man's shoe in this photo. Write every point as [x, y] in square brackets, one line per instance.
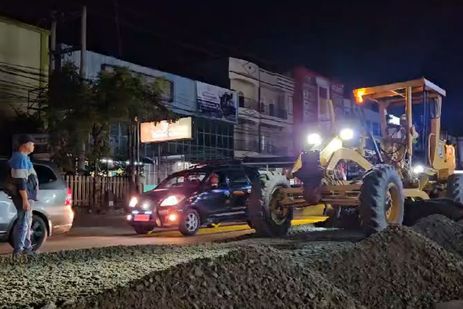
[16, 255]
[30, 254]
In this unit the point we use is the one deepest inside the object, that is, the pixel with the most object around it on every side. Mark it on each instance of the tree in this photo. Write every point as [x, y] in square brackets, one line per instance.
[80, 112]
[68, 109]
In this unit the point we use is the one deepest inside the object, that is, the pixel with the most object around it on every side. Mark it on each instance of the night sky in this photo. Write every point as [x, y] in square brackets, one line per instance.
[358, 43]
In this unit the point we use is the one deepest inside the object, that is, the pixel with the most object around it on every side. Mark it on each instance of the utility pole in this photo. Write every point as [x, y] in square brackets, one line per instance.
[52, 44]
[82, 71]
[118, 28]
[83, 41]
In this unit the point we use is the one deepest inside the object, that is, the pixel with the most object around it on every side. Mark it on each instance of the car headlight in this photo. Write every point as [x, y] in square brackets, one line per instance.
[172, 200]
[314, 139]
[418, 169]
[133, 201]
[346, 134]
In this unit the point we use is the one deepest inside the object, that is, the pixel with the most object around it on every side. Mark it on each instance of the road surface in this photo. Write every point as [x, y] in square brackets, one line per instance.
[101, 231]
[92, 230]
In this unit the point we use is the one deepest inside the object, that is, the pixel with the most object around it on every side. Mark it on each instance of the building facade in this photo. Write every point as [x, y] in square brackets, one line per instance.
[311, 95]
[213, 111]
[23, 73]
[265, 117]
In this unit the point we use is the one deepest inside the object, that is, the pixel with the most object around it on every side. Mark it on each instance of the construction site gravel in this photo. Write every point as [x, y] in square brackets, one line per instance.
[401, 267]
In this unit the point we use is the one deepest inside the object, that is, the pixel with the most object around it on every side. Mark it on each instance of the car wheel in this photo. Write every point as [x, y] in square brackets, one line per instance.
[142, 230]
[190, 222]
[39, 233]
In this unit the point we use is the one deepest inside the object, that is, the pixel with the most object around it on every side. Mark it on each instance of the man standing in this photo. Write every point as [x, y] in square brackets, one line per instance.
[25, 178]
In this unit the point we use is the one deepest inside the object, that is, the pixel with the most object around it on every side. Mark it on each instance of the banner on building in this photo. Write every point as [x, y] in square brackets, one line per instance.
[154, 132]
[216, 102]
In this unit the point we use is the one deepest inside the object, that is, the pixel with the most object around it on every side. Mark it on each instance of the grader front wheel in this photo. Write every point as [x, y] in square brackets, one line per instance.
[265, 214]
[381, 199]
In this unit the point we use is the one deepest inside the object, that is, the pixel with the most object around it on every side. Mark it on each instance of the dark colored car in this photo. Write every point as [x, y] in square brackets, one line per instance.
[192, 198]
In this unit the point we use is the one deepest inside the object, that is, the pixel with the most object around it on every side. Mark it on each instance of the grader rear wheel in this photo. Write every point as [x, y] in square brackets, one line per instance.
[381, 199]
[455, 188]
[265, 214]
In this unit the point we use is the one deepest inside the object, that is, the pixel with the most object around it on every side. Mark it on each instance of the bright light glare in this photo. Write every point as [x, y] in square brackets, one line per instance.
[133, 202]
[145, 205]
[171, 201]
[129, 217]
[314, 139]
[346, 134]
[418, 169]
[172, 217]
[358, 95]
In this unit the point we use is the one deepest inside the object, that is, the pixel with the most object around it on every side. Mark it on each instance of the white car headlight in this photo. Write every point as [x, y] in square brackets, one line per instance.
[172, 200]
[314, 139]
[133, 201]
[346, 134]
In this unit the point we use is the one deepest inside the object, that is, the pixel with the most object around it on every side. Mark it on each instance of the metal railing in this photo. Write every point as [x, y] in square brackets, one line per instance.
[269, 110]
[248, 103]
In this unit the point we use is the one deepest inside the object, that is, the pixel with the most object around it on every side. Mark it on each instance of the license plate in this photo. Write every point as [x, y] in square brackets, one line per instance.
[142, 218]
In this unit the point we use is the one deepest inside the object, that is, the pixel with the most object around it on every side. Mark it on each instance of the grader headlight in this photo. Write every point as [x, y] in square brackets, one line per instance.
[314, 139]
[346, 134]
[418, 169]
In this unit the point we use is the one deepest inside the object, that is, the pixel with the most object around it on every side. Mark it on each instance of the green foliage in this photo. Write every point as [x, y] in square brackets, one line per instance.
[79, 113]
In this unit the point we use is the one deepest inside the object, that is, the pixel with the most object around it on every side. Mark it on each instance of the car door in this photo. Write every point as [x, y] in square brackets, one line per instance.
[7, 208]
[214, 200]
[240, 188]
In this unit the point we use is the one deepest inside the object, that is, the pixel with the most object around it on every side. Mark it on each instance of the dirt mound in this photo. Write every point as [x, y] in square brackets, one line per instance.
[246, 278]
[65, 277]
[442, 230]
[397, 268]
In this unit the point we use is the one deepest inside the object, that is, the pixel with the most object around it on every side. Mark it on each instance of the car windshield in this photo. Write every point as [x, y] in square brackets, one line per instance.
[193, 179]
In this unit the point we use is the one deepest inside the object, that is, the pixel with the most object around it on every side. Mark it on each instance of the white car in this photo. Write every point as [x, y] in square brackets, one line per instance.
[52, 213]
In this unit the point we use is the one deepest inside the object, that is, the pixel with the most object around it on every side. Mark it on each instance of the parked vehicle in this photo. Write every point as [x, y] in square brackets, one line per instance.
[52, 213]
[203, 195]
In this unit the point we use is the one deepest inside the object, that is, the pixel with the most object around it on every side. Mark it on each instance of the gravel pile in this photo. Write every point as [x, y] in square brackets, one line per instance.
[442, 230]
[400, 267]
[60, 278]
[252, 277]
[396, 268]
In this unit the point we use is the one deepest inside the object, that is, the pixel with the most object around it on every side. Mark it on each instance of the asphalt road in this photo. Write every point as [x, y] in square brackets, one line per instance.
[91, 231]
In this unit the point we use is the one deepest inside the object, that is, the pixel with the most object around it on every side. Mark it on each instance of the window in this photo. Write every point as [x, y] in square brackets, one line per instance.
[241, 99]
[190, 179]
[237, 178]
[323, 93]
[376, 130]
[3, 172]
[271, 109]
[44, 174]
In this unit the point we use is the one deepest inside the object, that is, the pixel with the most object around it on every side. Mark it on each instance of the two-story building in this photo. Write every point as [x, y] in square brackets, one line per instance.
[265, 117]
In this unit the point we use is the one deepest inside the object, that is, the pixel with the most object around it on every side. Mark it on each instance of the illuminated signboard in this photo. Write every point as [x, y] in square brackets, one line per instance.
[152, 132]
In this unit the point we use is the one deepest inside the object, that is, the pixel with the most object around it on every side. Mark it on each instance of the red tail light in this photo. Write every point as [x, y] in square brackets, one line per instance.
[68, 201]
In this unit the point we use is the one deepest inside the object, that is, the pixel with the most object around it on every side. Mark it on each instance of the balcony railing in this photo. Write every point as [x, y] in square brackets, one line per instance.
[269, 110]
[248, 103]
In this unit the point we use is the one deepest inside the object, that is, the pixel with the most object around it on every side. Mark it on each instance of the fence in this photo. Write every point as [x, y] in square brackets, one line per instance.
[88, 191]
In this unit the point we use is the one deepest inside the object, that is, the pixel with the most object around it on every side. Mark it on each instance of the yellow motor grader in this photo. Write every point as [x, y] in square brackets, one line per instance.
[390, 171]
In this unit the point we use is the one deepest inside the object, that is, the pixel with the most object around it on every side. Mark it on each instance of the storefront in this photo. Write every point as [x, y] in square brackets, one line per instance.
[210, 140]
